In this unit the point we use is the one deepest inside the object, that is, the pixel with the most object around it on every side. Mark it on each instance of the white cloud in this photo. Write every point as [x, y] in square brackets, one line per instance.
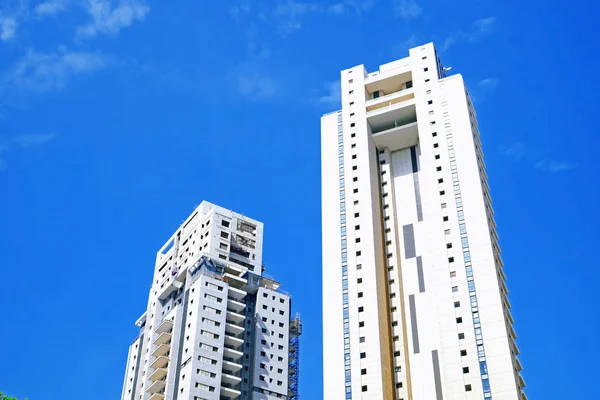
[488, 83]
[237, 11]
[8, 28]
[39, 72]
[484, 25]
[295, 8]
[479, 28]
[50, 8]
[337, 9]
[110, 21]
[333, 95]
[401, 49]
[256, 85]
[555, 166]
[34, 139]
[515, 151]
[407, 9]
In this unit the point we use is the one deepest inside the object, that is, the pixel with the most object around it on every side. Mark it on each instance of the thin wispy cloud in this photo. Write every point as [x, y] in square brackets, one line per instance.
[110, 21]
[401, 49]
[288, 15]
[49, 8]
[8, 28]
[332, 96]
[479, 28]
[407, 9]
[239, 10]
[555, 166]
[22, 142]
[348, 6]
[484, 25]
[43, 72]
[33, 139]
[517, 152]
[514, 151]
[488, 83]
[256, 85]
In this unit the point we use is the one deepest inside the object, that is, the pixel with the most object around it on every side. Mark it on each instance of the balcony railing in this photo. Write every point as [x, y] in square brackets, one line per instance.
[387, 96]
[394, 124]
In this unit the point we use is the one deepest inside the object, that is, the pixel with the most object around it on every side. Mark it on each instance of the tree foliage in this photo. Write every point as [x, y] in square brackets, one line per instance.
[4, 397]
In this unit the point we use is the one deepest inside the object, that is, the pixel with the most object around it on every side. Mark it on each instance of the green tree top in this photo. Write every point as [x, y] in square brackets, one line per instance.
[3, 397]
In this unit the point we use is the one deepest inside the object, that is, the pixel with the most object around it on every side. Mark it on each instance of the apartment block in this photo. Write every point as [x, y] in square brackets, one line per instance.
[216, 326]
[415, 303]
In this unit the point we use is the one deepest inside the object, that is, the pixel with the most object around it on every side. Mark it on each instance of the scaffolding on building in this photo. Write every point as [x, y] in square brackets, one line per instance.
[294, 358]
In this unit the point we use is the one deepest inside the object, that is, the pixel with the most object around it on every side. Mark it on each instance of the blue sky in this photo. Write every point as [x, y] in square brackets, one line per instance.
[118, 118]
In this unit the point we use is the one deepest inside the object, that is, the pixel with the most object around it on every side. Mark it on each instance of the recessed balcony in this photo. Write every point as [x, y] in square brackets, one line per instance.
[236, 305]
[165, 326]
[163, 338]
[231, 377]
[234, 281]
[237, 294]
[158, 374]
[234, 327]
[161, 350]
[232, 340]
[157, 387]
[229, 391]
[235, 317]
[160, 362]
[231, 353]
[231, 366]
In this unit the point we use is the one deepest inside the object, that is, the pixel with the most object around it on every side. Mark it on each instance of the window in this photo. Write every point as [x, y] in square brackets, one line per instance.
[351, 92]
[426, 80]
[447, 231]
[438, 168]
[463, 353]
[364, 388]
[451, 259]
[461, 335]
[454, 289]
[363, 355]
[434, 134]
[363, 371]
[398, 385]
[445, 218]
[224, 235]
[355, 191]
[357, 227]
[448, 245]
[456, 304]
[397, 353]
[429, 101]
[359, 280]
[425, 69]
[435, 145]
[354, 156]
[468, 388]
[437, 156]
[459, 320]
[362, 339]
[360, 294]
[465, 370]
[452, 274]
[225, 223]
[361, 324]
[352, 125]
[442, 192]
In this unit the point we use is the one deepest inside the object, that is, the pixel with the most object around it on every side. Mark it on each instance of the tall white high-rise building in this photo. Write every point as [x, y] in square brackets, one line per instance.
[216, 326]
[414, 301]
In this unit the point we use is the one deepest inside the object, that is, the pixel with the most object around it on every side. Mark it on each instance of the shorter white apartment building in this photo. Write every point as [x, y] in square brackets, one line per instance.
[215, 327]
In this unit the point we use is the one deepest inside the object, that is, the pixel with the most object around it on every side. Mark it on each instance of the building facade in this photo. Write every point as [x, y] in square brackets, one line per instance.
[414, 301]
[216, 326]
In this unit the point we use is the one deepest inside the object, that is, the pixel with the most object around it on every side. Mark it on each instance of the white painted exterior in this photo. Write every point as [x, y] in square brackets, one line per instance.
[413, 182]
[201, 337]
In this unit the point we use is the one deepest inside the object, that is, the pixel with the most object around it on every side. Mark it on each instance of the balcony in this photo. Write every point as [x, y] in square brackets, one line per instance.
[234, 327]
[157, 387]
[161, 350]
[237, 294]
[229, 391]
[163, 338]
[235, 317]
[231, 354]
[396, 129]
[157, 396]
[236, 305]
[231, 365]
[158, 374]
[234, 280]
[160, 362]
[165, 326]
[233, 340]
[230, 377]
[389, 100]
